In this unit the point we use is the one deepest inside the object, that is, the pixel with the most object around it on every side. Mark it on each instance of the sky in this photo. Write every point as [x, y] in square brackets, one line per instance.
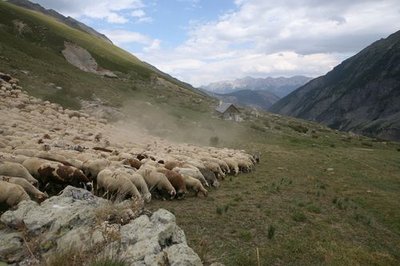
[204, 41]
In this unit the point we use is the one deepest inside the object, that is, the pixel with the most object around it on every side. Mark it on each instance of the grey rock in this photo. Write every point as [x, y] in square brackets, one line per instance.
[171, 235]
[136, 231]
[140, 250]
[11, 246]
[15, 218]
[182, 255]
[74, 206]
[81, 238]
[156, 259]
[163, 216]
[70, 220]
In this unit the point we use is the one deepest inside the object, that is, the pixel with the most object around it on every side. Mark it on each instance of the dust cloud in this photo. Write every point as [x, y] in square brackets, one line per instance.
[174, 124]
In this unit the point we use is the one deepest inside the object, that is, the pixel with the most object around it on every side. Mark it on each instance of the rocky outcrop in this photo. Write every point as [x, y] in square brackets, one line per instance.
[76, 220]
[362, 94]
[83, 60]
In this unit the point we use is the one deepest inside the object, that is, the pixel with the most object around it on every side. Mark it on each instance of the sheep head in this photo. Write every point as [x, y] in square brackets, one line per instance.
[172, 193]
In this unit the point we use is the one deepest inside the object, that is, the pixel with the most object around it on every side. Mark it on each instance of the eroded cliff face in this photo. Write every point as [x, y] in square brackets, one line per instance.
[362, 94]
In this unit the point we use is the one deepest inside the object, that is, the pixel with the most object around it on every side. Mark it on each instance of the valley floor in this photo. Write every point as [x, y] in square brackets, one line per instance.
[311, 201]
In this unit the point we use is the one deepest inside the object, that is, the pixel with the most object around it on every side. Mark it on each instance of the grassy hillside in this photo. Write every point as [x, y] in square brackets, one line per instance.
[318, 197]
[36, 47]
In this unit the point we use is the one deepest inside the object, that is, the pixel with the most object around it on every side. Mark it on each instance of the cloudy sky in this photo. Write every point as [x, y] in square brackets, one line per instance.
[202, 41]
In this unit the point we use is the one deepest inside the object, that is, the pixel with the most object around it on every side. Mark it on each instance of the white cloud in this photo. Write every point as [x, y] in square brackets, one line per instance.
[258, 38]
[154, 45]
[141, 16]
[138, 13]
[121, 37]
[273, 38]
[110, 10]
[125, 38]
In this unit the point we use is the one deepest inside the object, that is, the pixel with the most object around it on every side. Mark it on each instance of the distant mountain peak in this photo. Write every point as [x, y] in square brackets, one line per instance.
[280, 86]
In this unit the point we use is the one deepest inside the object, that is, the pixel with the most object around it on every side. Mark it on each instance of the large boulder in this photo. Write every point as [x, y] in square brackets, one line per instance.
[78, 220]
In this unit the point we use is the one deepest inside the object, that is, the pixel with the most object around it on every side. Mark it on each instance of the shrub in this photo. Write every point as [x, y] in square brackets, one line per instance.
[214, 141]
[222, 209]
[314, 209]
[68, 257]
[271, 231]
[242, 259]
[298, 128]
[367, 144]
[245, 235]
[257, 127]
[299, 216]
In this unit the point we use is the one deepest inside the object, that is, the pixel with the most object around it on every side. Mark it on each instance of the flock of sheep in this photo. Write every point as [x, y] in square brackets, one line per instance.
[44, 148]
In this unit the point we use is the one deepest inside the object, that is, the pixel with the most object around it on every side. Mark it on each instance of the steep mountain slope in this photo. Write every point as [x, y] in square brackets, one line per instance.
[362, 94]
[252, 98]
[67, 20]
[279, 86]
[30, 49]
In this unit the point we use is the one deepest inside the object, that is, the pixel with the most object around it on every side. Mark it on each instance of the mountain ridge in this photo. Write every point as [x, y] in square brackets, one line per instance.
[279, 86]
[260, 99]
[361, 94]
[66, 20]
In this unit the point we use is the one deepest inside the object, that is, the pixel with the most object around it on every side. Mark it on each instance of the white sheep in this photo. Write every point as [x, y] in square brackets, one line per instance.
[116, 183]
[193, 172]
[28, 187]
[12, 194]
[16, 170]
[195, 185]
[156, 180]
[93, 167]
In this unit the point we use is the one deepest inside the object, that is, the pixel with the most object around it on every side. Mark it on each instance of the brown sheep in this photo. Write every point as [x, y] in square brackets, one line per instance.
[33, 164]
[135, 163]
[176, 180]
[172, 164]
[48, 171]
[59, 173]
[28, 187]
[12, 194]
